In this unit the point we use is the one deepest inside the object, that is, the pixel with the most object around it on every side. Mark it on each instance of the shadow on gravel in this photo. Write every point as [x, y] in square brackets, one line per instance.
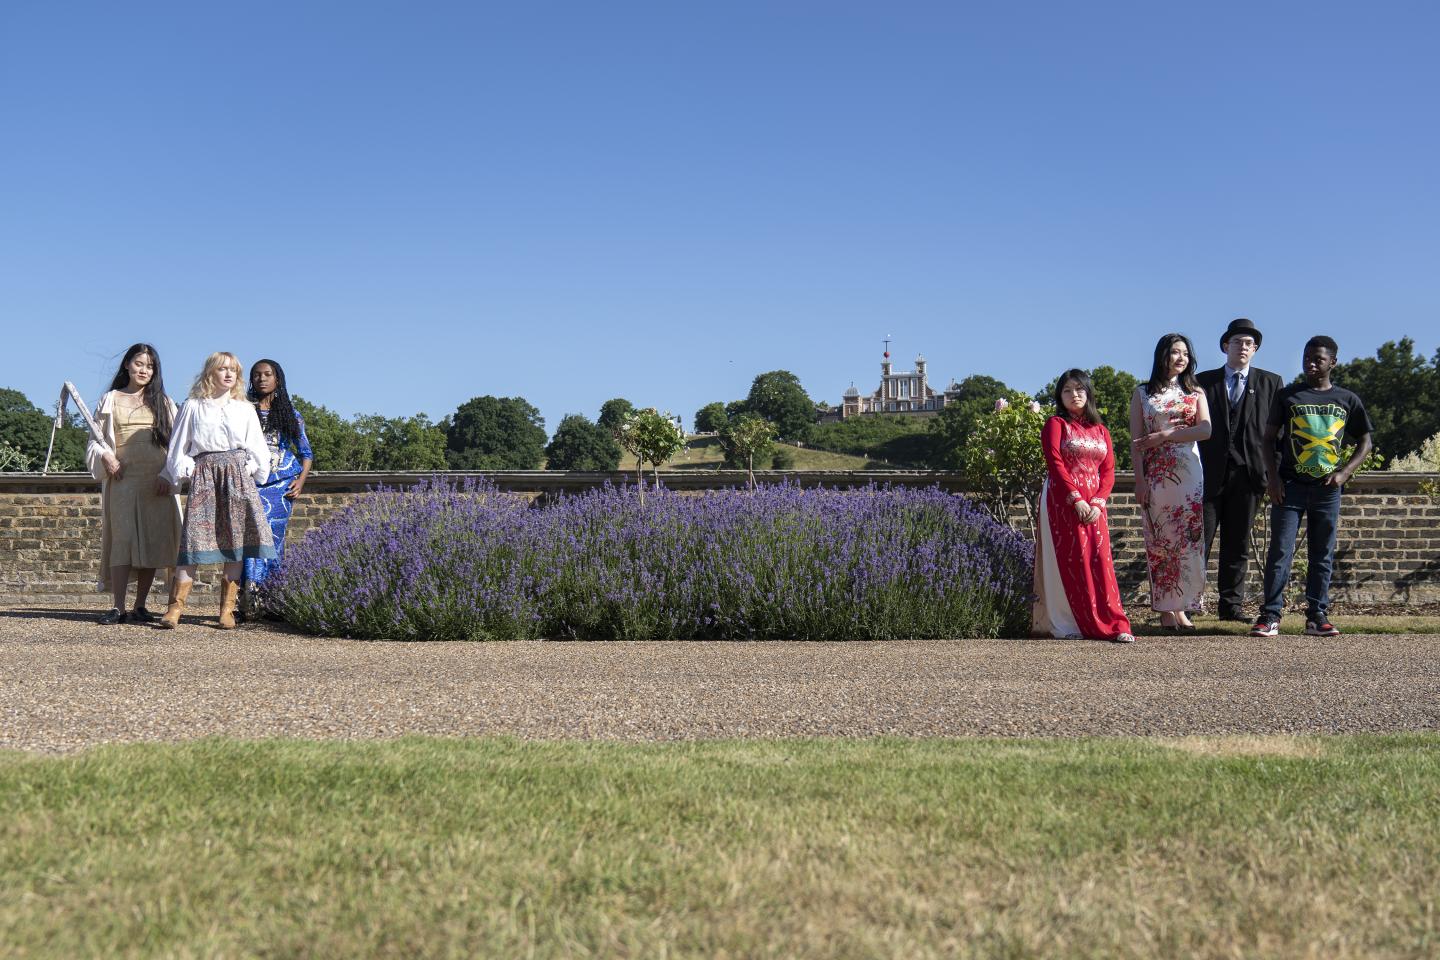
[50, 613]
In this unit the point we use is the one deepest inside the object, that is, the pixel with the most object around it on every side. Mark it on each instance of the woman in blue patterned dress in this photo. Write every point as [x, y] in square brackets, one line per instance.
[290, 459]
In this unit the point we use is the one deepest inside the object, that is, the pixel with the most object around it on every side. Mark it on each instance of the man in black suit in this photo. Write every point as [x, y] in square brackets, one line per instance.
[1234, 456]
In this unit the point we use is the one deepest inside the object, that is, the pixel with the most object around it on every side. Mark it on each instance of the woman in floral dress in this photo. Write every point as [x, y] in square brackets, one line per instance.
[219, 446]
[1075, 590]
[1168, 418]
[290, 460]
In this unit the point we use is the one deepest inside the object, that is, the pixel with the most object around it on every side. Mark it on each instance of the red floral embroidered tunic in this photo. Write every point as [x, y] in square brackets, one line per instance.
[1080, 464]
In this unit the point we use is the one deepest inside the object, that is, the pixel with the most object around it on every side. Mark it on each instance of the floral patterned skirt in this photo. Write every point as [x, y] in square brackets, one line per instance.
[1174, 527]
[224, 520]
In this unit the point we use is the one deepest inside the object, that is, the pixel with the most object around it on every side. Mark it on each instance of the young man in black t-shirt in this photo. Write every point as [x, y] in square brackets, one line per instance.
[1312, 421]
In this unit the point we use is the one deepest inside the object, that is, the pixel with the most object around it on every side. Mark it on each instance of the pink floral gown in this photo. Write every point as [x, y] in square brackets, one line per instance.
[1174, 522]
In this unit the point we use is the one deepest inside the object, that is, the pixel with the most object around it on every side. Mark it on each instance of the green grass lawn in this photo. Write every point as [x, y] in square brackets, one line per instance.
[703, 453]
[1326, 847]
[1147, 623]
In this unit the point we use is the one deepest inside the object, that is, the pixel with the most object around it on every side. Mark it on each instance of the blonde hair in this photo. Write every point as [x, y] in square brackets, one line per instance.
[204, 384]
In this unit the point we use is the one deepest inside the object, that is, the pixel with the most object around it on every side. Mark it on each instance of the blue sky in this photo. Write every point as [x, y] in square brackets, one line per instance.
[411, 204]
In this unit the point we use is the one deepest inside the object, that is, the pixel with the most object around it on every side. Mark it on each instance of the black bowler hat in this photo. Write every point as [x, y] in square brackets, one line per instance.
[1240, 326]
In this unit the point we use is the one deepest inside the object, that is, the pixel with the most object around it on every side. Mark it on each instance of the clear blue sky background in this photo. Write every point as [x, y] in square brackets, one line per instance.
[411, 204]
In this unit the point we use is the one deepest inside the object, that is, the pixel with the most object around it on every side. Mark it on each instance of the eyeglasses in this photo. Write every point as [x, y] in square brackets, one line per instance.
[1244, 342]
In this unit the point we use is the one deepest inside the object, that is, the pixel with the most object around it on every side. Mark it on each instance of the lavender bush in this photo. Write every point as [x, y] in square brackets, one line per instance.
[444, 563]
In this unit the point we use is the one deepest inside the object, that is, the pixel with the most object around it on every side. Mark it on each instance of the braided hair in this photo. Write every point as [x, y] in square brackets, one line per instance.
[282, 418]
[154, 394]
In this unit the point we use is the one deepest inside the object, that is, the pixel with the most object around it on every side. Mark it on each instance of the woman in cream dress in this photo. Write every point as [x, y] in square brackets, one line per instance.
[140, 515]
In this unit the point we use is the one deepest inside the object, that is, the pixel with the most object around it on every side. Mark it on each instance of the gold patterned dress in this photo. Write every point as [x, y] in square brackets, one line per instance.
[142, 528]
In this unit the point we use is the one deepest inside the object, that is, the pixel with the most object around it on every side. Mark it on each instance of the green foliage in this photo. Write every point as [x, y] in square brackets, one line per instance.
[783, 458]
[495, 433]
[711, 418]
[651, 437]
[896, 439]
[1004, 463]
[26, 428]
[747, 437]
[1400, 390]
[1424, 460]
[950, 429]
[11, 459]
[409, 443]
[336, 442]
[579, 444]
[1113, 389]
[778, 397]
[1374, 460]
[613, 413]
[371, 441]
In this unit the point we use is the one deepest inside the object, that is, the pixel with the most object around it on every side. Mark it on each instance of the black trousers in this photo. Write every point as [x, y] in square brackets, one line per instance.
[1232, 513]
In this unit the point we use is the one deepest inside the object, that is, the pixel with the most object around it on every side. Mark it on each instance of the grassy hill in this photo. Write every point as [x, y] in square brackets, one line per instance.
[703, 453]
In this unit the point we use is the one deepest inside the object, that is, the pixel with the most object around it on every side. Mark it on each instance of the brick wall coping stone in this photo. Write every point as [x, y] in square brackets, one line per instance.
[539, 481]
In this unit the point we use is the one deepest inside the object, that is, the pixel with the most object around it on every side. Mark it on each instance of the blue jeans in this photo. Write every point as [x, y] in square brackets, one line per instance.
[1320, 506]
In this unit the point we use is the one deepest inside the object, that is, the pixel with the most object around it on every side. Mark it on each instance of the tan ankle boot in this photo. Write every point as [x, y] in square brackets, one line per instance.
[229, 594]
[179, 593]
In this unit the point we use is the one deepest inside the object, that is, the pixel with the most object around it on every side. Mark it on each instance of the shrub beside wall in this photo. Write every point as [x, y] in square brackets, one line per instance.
[471, 563]
[1388, 551]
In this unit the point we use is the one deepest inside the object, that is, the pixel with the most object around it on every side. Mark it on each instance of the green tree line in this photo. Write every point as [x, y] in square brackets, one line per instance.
[1400, 387]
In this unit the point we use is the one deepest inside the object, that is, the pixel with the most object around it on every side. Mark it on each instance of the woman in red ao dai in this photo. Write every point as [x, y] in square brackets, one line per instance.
[1076, 594]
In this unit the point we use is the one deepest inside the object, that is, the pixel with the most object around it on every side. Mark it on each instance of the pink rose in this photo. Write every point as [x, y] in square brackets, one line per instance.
[1001, 404]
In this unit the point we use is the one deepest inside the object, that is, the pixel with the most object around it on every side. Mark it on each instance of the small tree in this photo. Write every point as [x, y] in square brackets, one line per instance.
[778, 397]
[1003, 459]
[495, 433]
[579, 444]
[711, 418]
[613, 413]
[747, 437]
[651, 437]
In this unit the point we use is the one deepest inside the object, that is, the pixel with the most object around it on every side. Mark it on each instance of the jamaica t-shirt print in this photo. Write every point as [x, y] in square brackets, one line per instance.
[1314, 432]
[1314, 425]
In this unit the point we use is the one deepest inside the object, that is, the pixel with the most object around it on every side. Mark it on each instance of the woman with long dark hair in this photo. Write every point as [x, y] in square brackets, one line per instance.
[1076, 594]
[1168, 418]
[290, 460]
[139, 513]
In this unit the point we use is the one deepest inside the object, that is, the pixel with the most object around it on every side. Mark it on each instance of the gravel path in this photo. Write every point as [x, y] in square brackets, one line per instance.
[67, 683]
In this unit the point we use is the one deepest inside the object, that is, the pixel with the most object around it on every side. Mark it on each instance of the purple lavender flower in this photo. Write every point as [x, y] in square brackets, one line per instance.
[441, 561]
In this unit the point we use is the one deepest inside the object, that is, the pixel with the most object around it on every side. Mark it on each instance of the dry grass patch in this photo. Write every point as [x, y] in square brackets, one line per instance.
[1248, 745]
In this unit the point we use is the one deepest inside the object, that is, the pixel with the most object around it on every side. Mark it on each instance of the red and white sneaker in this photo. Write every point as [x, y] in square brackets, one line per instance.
[1265, 628]
[1322, 628]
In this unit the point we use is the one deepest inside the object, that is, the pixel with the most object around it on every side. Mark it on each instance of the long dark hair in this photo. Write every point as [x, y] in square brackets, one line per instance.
[283, 418]
[154, 393]
[1160, 369]
[1091, 412]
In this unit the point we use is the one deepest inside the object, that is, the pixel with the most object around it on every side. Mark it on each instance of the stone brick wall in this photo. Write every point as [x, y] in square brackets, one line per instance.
[1388, 551]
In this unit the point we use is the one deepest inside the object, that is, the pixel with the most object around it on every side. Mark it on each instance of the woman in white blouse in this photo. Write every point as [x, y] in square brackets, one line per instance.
[218, 445]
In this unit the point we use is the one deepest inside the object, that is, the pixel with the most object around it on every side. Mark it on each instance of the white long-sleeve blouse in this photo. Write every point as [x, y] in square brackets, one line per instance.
[215, 426]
